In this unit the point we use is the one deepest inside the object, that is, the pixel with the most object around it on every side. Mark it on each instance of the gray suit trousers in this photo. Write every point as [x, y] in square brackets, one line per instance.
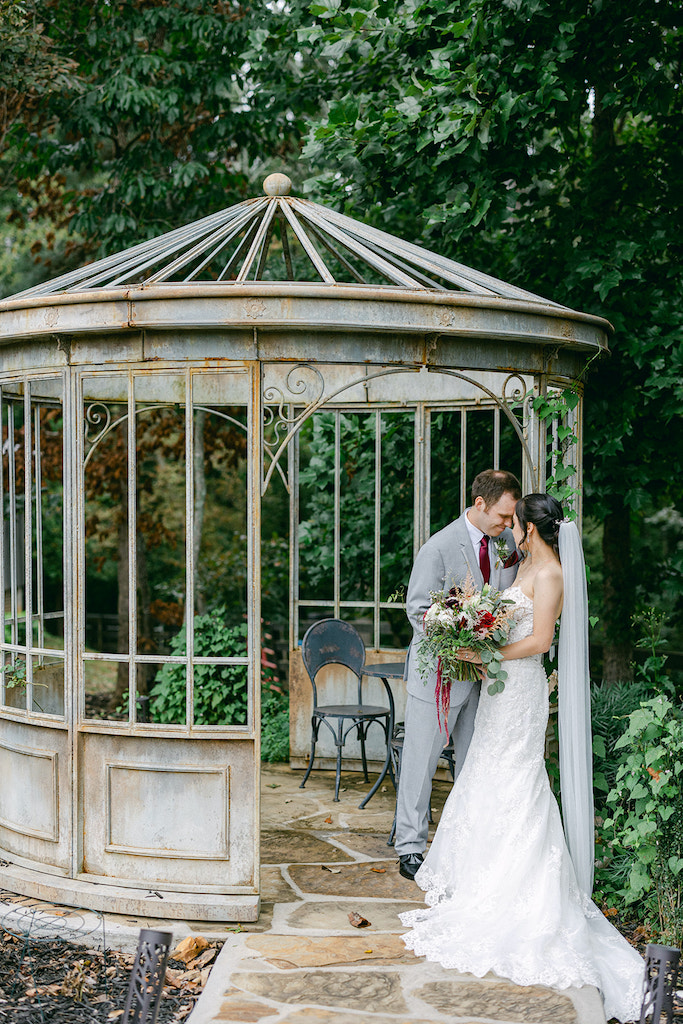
[422, 748]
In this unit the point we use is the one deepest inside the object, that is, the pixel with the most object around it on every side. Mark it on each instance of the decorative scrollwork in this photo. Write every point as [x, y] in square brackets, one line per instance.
[518, 394]
[275, 413]
[97, 417]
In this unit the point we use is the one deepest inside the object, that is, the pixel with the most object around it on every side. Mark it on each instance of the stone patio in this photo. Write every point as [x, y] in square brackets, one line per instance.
[304, 962]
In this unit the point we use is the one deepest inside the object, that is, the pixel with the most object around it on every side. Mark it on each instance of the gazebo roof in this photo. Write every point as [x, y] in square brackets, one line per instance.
[280, 237]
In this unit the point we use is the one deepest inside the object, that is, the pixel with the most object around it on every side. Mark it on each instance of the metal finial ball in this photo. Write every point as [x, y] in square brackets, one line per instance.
[277, 185]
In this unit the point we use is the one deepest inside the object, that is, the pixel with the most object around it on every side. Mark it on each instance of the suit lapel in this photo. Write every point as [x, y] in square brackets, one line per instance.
[467, 551]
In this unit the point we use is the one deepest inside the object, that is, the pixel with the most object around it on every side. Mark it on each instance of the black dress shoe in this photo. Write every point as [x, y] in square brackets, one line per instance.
[408, 863]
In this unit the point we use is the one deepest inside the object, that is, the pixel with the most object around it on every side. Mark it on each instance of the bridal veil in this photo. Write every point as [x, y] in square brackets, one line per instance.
[574, 711]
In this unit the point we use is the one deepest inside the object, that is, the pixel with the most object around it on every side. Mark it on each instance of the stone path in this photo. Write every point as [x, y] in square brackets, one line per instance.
[303, 962]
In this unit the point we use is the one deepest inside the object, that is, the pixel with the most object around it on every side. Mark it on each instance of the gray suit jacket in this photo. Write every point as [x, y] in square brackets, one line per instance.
[443, 562]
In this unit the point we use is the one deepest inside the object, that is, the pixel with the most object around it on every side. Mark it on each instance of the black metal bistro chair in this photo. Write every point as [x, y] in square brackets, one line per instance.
[333, 642]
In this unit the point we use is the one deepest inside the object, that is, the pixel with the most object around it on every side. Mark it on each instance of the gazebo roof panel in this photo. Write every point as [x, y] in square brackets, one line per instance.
[279, 237]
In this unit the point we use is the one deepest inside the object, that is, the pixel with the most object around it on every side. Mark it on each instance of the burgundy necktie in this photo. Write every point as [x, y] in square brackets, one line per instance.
[484, 563]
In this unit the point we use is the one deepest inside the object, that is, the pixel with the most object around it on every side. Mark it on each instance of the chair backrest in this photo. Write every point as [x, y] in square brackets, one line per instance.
[332, 642]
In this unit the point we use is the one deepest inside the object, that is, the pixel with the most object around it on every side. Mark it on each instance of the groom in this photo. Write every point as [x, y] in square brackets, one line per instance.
[471, 544]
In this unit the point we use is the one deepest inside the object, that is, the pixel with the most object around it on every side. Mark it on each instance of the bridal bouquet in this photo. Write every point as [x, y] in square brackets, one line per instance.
[464, 617]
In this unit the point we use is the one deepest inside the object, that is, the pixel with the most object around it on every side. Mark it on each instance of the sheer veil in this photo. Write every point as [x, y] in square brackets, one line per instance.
[574, 712]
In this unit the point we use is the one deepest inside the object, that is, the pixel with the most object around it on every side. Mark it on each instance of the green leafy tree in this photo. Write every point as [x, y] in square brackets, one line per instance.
[161, 120]
[538, 141]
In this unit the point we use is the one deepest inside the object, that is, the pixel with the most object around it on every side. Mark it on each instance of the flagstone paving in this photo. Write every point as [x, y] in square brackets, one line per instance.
[304, 962]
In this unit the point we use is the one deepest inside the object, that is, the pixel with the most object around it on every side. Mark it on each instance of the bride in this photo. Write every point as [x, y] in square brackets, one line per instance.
[505, 892]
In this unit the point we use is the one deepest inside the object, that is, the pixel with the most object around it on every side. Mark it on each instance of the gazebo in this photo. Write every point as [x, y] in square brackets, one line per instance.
[148, 403]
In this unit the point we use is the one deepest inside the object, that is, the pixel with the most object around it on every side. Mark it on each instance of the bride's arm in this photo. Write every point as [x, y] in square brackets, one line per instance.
[547, 606]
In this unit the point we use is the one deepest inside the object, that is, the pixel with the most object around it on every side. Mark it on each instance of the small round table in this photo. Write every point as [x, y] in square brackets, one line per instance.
[385, 671]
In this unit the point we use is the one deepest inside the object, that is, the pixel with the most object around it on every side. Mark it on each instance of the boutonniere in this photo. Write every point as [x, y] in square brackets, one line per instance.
[504, 557]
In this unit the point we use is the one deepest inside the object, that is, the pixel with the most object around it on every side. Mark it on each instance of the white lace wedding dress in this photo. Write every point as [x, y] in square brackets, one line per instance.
[500, 886]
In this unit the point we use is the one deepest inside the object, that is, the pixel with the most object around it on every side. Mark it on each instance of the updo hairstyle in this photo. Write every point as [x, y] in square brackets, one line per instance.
[545, 512]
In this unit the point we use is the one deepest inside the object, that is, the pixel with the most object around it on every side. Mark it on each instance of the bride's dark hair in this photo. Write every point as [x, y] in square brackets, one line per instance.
[545, 512]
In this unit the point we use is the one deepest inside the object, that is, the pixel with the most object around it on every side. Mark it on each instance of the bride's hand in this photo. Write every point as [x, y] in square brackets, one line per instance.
[467, 654]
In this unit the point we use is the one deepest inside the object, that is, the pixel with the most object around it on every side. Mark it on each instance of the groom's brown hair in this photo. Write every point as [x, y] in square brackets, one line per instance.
[492, 484]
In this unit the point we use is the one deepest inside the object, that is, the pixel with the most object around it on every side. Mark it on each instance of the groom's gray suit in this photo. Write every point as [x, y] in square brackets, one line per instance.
[443, 562]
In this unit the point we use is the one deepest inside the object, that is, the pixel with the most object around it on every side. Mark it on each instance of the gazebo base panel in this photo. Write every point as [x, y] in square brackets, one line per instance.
[118, 899]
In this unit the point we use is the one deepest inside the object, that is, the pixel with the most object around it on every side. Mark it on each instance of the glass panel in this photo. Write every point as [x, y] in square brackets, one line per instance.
[106, 519]
[480, 454]
[166, 685]
[307, 616]
[397, 504]
[357, 506]
[105, 477]
[48, 523]
[220, 511]
[510, 447]
[13, 502]
[106, 696]
[395, 630]
[316, 508]
[15, 680]
[445, 468]
[221, 694]
[48, 685]
[363, 620]
[161, 513]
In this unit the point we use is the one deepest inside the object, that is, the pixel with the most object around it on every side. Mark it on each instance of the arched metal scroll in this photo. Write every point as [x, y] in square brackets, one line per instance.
[285, 426]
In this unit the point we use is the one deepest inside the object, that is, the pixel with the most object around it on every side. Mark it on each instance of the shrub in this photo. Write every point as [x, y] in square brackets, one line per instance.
[644, 835]
[274, 726]
[611, 703]
[220, 691]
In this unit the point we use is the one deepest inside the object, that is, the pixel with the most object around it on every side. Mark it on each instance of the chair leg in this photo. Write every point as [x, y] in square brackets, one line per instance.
[361, 736]
[385, 767]
[314, 737]
[340, 742]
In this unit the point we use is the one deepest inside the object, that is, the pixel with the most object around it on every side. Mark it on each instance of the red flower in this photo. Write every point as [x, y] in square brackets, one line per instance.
[486, 620]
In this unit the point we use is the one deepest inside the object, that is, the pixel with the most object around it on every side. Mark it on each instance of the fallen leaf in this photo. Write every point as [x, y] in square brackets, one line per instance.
[611, 912]
[328, 821]
[189, 948]
[174, 977]
[204, 976]
[332, 871]
[368, 951]
[273, 785]
[114, 1014]
[379, 871]
[357, 920]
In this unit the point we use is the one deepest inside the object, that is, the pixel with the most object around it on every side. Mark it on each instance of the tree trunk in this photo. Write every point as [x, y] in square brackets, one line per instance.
[618, 599]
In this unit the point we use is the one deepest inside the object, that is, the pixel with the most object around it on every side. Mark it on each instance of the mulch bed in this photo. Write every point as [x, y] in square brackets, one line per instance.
[60, 983]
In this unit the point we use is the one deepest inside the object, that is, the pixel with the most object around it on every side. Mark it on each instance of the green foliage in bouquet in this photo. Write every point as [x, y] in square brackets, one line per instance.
[644, 835]
[465, 618]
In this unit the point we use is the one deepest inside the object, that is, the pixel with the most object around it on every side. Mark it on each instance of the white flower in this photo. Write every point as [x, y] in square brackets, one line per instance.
[432, 613]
